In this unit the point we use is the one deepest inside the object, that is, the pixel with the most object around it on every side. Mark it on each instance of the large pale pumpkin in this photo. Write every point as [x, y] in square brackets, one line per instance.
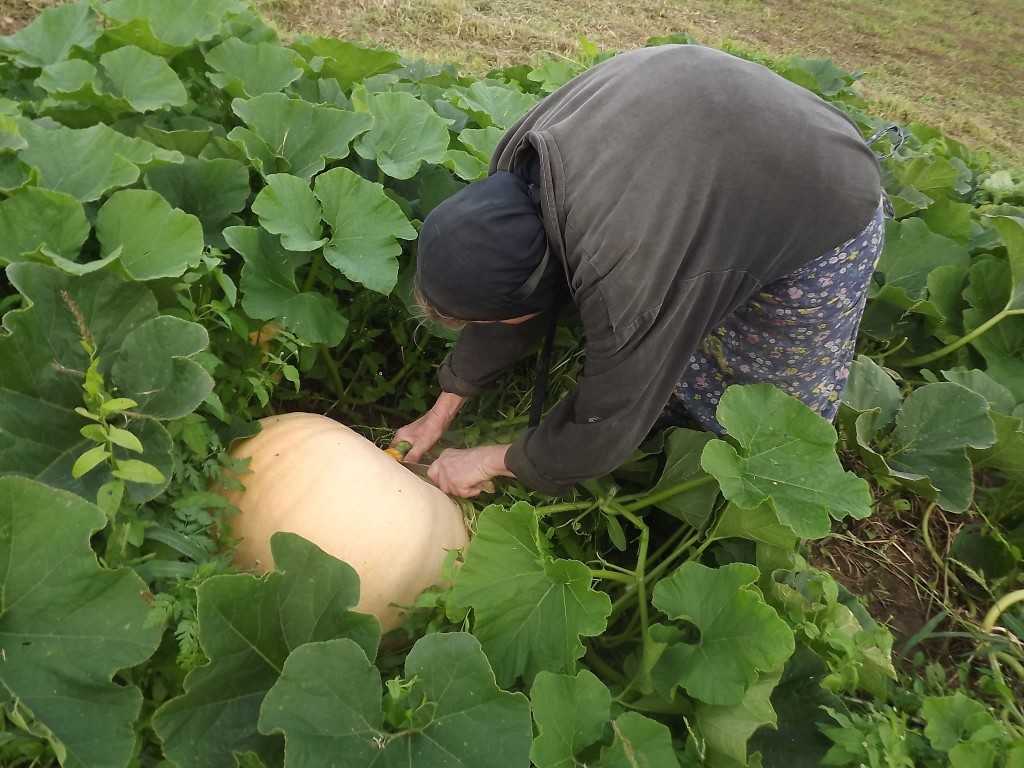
[315, 477]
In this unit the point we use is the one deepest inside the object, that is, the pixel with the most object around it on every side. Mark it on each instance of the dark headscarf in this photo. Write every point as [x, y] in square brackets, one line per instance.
[483, 252]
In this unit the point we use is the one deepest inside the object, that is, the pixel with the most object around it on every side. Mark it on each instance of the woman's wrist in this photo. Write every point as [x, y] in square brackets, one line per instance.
[495, 460]
[447, 407]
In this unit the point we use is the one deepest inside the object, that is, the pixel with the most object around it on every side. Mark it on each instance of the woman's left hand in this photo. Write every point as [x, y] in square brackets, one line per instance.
[467, 472]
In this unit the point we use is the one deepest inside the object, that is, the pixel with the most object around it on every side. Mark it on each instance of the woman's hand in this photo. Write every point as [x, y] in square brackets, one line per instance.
[467, 472]
[424, 433]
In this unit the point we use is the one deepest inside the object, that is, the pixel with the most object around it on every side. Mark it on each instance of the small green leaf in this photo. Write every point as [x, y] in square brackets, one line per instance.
[786, 458]
[35, 219]
[365, 227]
[109, 497]
[952, 720]
[529, 609]
[288, 207]
[156, 240]
[145, 81]
[89, 460]
[117, 405]
[739, 634]
[94, 432]
[406, 133]
[11, 139]
[571, 714]
[125, 439]
[327, 703]
[136, 471]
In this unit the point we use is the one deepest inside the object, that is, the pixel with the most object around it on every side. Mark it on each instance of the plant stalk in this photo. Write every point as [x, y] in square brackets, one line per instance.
[332, 372]
[314, 271]
[962, 341]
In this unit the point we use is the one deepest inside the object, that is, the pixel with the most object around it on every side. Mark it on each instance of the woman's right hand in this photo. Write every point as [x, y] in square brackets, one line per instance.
[424, 433]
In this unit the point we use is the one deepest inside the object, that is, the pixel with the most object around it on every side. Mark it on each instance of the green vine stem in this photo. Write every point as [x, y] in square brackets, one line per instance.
[1001, 606]
[988, 625]
[314, 271]
[332, 372]
[612, 576]
[963, 340]
[641, 590]
[635, 502]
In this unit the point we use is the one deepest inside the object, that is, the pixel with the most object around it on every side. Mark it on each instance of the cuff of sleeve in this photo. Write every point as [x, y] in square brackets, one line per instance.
[520, 465]
[450, 382]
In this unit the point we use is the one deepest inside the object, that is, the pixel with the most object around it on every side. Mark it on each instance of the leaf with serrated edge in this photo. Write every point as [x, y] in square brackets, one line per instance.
[304, 134]
[570, 713]
[67, 625]
[156, 240]
[365, 227]
[740, 634]
[529, 609]
[327, 703]
[786, 457]
[406, 133]
[288, 207]
[41, 218]
[247, 627]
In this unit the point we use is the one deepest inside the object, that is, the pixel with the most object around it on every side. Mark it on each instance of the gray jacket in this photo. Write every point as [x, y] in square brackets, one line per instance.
[676, 181]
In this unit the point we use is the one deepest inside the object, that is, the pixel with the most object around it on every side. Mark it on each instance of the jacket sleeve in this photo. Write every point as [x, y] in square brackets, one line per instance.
[484, 350]
[620, 395]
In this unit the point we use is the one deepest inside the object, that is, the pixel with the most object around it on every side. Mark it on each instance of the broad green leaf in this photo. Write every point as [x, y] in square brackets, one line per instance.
[571, 714]
[245, 70]
[145, 81]
[211, 190]
[683, 449]
[67, 625]
[726, 730]
[269, 290]
[248, 625]
[639, 741]
[936, 425]
[288, 207]
[482, 142]
[306, 135]
[366, 225]
[786, 458]
[759, 524]
[951, 720]
[912, 251]
[52, 35]
[951, 219]
[252, 148]
[945, 293]
[818, 75]
[37, 219]
[1011, 228]
[870, 388]
[155, 240]
[79, 81]
[934, 175]
[999, 398]
[739, 634]
[11, 139]
[189, 136]
[14, 174]
[89, 162]
[991, 289]
[345, 62]
[327, 704]
[491, 103]
[39, 389]
[554, 73]
[464, 165]
[174, 23]
[529, 609]
[1007, 455]
[405, 133]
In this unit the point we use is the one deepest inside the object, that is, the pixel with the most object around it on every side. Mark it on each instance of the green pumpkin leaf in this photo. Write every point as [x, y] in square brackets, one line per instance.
[999, 398]
[554, 73]
[143, 356]
[571, 714]
[936, 425]
[305, 135]
[143, 80]
[464, 165]
[11, 139]
[786, 458]
[52, 35]
[953, 720]
[740, 635]
[166, 26]
[366, 225]
[482, 142]
[683, 449]
[87, 163]
[726, 730]
[36, 219]
[911, 252]
[529, 609]
[79, 81]
[327, 704]
[639, 741]
[269, 290]
[210, 190]
[405, 133]
[288, 207]
[247, 627]
[991, 288]
[491, 103]
[346, 62]
[245, 70]
[759, 524]
[67, 625]
[155, 240]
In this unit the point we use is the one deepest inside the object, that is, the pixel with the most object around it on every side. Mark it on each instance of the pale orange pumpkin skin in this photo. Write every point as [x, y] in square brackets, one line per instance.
[317, 478]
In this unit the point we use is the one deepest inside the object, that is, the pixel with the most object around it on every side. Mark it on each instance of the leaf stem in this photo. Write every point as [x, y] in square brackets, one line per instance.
[314, 271]
[655, 572]
[962, 341]
[603, 666]
[673, 490]
[332, 372]
[600, 573]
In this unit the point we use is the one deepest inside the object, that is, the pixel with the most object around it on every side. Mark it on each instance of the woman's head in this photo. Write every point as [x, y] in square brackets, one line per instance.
[483, 255]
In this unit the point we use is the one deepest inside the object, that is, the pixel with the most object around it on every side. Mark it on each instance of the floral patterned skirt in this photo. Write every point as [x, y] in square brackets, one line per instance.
[797, 333]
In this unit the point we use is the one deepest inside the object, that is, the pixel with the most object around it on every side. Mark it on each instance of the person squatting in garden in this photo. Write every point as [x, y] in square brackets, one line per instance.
[711, 222]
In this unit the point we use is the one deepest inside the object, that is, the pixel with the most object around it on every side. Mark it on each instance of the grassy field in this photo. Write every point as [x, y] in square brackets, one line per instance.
[957, 65]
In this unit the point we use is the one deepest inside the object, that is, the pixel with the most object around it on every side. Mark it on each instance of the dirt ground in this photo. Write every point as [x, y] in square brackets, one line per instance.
[957, 65]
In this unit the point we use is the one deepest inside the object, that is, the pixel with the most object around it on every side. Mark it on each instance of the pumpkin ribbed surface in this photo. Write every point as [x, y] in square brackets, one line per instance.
[317, 478]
